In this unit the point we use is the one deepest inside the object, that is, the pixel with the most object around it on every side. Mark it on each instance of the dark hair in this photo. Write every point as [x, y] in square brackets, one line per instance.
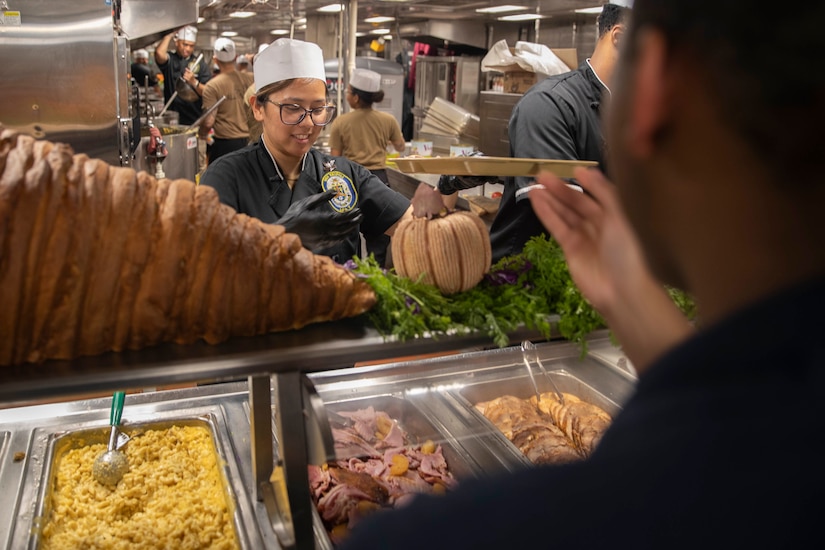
[611, 16]
[765, 76]
[368, 98]
[270, 89]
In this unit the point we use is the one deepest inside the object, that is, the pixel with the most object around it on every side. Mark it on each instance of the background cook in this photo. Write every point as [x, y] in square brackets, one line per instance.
[362, 135]
[175, 64]
[282, 179]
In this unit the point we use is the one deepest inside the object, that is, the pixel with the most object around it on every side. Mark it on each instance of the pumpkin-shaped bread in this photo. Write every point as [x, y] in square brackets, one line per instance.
[450, 250]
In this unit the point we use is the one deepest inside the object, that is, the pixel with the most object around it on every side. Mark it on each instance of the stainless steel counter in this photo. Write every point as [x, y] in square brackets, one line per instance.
[437, 387]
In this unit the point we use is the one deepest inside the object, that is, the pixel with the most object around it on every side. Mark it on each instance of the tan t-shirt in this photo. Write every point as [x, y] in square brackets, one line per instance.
[362, 136]
[230, 116]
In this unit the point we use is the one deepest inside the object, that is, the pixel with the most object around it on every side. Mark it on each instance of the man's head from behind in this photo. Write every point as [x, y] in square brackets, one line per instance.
[612, 15]
[612, 22]
[708, 100]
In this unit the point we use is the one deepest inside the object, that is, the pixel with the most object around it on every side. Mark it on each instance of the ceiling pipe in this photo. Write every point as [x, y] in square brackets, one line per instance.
[339, 100]
[353, 28]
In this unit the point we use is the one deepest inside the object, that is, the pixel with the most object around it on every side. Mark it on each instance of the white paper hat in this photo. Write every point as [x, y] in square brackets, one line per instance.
[141, 54]
[287, 58]
[365, 80]
[242, 60]
[187, 34]
[224, 49]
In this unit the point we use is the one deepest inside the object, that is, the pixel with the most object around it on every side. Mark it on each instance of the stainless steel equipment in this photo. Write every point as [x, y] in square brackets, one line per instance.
[456, 79]
[494, 113]
[433, 396]
[64, 71]
[181, 159]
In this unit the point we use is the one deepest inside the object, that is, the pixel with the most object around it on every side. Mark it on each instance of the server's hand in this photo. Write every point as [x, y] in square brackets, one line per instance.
[318, 225]
[452, 184]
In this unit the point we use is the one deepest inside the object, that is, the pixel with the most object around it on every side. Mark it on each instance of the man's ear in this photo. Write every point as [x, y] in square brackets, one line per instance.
[649, 103]
[617, 34]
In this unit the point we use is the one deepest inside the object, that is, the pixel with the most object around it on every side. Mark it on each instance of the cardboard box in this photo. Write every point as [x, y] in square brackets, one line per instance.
[569, 56]
[518, 82]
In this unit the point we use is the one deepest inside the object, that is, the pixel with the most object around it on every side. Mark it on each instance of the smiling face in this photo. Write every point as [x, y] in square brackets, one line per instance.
[291, 142]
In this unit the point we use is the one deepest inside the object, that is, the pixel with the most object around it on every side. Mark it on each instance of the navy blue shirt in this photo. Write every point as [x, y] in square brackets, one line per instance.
[719, 447]
[557, 119]
[250, 182]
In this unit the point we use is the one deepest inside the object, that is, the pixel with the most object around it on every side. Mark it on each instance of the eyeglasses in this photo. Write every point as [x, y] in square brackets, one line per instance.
[292, 114]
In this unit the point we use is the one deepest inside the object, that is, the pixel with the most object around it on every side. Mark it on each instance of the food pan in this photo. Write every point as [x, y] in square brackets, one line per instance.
[516, 382]
[419, 427]
[60, 443]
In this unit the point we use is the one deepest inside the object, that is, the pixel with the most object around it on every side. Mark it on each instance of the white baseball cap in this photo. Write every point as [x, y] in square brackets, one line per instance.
[365, 80]
[224, 49]
[243, 60]
[141, 54]
[187, 34]
[287, 58]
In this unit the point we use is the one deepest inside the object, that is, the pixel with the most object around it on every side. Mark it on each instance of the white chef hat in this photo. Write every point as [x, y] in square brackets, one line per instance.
[224, 49]
[141, 54]
[365, 80]
[187, 34]
[287, 58]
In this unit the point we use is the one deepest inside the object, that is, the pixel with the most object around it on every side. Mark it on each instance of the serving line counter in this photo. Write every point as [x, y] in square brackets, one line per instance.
[269, 427]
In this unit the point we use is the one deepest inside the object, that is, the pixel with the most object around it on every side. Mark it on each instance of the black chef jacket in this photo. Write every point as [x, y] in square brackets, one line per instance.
[248, 181]
[173, 69]
[719, 447]
[557, 119]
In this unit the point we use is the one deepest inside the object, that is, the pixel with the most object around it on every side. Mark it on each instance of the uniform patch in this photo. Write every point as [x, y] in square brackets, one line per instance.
[347, 197]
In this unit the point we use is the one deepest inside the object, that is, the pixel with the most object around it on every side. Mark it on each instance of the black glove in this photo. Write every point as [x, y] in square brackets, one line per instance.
[318, 225]
[448, 185]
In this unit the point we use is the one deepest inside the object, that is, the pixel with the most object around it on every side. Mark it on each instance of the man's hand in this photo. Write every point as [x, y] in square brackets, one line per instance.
[607, 263]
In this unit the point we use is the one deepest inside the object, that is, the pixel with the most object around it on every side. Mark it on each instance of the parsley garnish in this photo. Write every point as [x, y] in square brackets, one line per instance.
[523, 290]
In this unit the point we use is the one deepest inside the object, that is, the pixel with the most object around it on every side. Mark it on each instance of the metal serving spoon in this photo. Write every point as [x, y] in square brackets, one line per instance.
[110, 466]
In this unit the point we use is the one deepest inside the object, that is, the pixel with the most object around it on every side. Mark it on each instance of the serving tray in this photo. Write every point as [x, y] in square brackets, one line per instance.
[488, 166]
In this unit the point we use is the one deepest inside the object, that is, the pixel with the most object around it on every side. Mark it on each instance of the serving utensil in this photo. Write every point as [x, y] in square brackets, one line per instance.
[111, 465]
[528, 352]
[194, 126]
[168, 104]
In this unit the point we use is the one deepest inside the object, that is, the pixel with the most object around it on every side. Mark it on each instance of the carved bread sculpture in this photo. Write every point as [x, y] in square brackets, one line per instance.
[96, 258]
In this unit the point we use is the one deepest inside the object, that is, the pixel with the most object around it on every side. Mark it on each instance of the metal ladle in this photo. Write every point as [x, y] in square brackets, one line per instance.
[110, 466]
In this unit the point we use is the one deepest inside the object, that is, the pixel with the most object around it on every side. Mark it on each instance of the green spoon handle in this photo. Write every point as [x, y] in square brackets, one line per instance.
[117, 407]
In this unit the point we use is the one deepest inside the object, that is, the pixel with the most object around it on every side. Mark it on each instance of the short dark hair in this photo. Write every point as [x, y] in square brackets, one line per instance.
[368, 98]
[611, 16]
[765, 76]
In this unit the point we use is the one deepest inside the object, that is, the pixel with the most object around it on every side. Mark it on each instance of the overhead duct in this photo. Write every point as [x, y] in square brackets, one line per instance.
[463, 37]
[145, 22]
